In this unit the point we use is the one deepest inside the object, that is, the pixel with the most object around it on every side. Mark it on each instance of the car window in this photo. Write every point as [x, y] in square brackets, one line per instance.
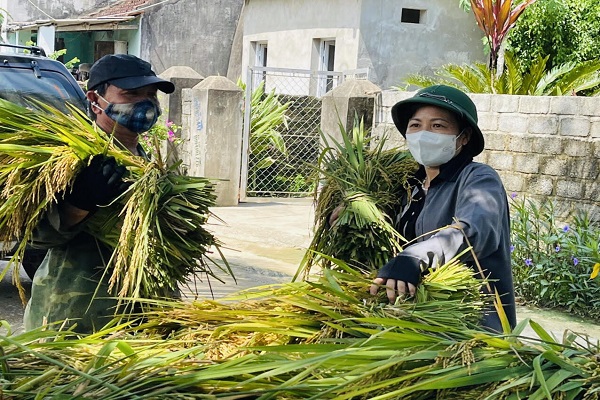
[19, 85]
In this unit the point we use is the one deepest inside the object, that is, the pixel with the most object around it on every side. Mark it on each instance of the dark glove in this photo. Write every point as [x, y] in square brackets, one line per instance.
[402, 268]
[98, 184]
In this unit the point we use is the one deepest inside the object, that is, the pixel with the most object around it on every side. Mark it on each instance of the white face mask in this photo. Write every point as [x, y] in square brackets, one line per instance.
[432, 149]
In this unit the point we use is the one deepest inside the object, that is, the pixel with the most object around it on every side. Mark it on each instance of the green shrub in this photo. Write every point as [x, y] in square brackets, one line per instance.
[563, 30]
[553, 260]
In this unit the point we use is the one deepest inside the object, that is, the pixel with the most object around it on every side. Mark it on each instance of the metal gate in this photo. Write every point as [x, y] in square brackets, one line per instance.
[280, 163]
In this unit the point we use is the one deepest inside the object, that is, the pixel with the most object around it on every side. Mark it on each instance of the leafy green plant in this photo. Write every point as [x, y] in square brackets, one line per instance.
[69, 64]
[553, 261]
[266, 144]
[56, 54]
[562, 30]
[563, 80]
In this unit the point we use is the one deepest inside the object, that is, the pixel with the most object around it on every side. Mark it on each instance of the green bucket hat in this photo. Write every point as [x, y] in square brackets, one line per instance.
[446, 97]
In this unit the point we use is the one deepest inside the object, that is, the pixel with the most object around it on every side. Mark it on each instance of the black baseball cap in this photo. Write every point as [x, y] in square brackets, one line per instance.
[125, 71]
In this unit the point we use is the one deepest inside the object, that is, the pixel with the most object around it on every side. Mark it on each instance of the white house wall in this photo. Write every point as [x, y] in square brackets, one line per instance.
[292, 29]
[368, 33]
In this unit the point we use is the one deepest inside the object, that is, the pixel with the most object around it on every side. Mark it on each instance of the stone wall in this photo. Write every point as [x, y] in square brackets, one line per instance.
[542, 147]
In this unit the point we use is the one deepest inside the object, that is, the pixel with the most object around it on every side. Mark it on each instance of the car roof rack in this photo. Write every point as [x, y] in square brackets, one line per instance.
[35, 50]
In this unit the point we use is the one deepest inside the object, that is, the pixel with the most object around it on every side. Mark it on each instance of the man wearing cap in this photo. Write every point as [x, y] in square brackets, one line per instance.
[122, 90]
[453, 192]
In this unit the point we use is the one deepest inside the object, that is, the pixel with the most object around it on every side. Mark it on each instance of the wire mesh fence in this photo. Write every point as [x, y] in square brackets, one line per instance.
[279, 162]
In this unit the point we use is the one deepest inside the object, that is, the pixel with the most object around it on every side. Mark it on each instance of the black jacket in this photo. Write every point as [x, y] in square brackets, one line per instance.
[471, 195]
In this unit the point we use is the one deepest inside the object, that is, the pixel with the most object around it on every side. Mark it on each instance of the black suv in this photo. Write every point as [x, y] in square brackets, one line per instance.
[26, 73]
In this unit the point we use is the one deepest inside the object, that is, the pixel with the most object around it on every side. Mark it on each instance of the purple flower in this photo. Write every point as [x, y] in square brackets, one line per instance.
[575, 261]
[169, 123]
[557, 248]
[512, 248]
[566, 228]
[528, 262]
[171, 136]
[513, 195]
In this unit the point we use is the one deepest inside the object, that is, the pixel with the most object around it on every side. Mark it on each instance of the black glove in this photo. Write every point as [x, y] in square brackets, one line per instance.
[402, 268]
[98, 184]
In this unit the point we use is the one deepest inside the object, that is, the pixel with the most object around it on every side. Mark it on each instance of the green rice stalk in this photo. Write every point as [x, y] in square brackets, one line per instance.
[326, 342]
[156, 227]
[369, 184]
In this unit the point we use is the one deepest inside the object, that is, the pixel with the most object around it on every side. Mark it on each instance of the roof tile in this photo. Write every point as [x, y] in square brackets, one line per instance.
[121, 8]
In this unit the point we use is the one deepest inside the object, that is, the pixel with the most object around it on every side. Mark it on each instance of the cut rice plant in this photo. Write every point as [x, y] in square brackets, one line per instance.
[325, 339]
[155, 227]
[367, 185]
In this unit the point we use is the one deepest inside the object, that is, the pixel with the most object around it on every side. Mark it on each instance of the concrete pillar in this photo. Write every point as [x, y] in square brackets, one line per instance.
[45, 38]
[182, 77]
[353, 98]
[213, 136]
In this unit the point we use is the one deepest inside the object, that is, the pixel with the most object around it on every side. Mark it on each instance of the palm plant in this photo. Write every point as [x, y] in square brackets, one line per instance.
[562, 80]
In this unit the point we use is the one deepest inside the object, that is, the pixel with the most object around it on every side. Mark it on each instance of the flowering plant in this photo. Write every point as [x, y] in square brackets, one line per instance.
[555, 264]
[164, 132]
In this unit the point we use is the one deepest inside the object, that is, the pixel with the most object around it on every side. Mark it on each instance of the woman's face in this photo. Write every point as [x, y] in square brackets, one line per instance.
[433, 119]
[437, 120]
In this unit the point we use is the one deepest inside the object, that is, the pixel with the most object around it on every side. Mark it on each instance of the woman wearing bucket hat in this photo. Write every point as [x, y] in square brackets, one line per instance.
[465, 198]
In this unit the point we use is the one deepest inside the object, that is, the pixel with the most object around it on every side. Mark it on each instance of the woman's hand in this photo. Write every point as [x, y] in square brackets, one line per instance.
[394, 288]
[400, 277]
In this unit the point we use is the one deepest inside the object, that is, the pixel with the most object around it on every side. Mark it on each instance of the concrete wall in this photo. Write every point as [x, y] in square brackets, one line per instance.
[23, 10]
[393, 49]
[542, 147]
[192, 33]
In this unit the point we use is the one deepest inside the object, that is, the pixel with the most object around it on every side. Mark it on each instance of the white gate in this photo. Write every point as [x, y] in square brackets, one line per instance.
[266, 170]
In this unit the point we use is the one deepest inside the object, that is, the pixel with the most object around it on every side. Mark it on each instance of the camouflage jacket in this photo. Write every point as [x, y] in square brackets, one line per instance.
[65, 287]
[70, 287]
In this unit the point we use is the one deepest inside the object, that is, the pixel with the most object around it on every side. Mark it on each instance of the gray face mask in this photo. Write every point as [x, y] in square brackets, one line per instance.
[137, 117]
[432, 149]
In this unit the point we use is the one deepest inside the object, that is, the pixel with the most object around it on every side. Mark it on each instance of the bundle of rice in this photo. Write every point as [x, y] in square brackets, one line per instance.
[367, 185]
[156, 227]
[306, 340]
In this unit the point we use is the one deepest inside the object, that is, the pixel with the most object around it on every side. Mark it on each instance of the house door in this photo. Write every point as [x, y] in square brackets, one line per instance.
[102, 48]
[326, 64]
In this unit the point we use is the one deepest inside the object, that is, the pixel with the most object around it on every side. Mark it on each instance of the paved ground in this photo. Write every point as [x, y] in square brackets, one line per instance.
[264, 241]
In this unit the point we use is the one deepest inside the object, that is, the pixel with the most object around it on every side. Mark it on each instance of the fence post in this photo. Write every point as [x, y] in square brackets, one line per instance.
[183, 78]
[353, 98]
[215, 135]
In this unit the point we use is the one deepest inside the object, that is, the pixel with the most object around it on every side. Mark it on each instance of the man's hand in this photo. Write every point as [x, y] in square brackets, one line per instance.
[97, 184]
[400, 276]
[335, 214]
[393, 288]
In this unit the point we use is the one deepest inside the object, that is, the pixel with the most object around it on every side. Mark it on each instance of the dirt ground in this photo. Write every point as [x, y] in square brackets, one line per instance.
[264, 241]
